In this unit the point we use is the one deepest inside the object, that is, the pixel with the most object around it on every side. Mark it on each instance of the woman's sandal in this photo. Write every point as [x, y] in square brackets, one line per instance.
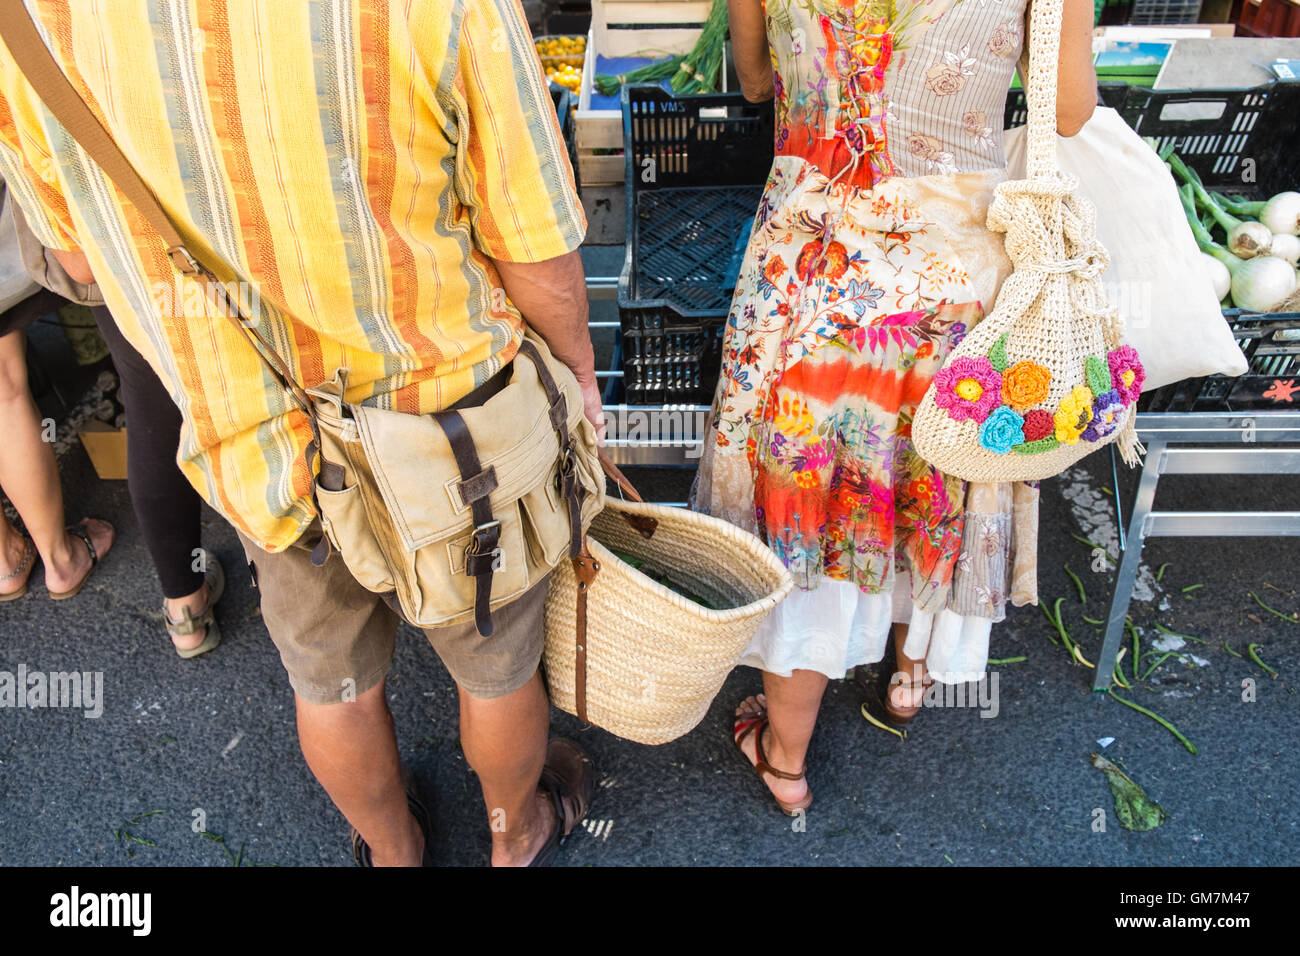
[569, 779]
[79, 531]
[24, 570]
[900, 716]
[741, 729]
[215, 578]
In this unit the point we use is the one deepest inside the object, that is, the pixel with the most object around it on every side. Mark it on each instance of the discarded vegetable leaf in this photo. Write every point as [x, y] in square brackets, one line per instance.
[1134, 809]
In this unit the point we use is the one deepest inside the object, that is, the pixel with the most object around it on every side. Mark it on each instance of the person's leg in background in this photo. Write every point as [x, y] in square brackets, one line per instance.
[29, 476]
[167, 508]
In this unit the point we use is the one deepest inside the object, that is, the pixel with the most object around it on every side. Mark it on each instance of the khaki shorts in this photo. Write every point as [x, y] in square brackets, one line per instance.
[336, 639]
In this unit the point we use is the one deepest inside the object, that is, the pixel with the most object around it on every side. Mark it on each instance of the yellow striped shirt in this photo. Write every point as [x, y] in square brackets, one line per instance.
[351, 167]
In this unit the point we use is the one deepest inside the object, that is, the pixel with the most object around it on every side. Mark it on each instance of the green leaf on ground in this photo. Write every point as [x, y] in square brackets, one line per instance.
[1134, 809]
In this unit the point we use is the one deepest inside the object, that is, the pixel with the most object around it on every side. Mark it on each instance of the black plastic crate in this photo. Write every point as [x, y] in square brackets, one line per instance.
[685, 247]
[1245, 145]
[1271, 342]
[716, 139]
[696, 166]
[667, 361]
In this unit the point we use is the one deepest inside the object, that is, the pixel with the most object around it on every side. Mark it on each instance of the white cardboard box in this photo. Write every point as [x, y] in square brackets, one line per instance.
[652, 28]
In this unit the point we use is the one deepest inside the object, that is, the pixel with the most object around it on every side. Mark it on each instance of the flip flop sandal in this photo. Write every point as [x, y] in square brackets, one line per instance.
[569, 779]
[79, 531]
[419, 809]
[742, 728]
[24, 570]
[215, 579]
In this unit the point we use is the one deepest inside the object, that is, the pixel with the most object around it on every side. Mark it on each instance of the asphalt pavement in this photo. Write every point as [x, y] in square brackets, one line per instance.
[196, 762]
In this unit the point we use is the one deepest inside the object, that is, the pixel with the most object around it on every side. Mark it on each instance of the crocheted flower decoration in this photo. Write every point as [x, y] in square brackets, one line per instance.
[1126, 373]
[1107, 414]
[1038, 424]
[968, 388]
[1025, 384]
[1002, 430]
[1073, 415]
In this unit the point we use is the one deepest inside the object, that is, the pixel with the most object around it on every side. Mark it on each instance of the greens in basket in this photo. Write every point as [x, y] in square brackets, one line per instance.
[662, 578]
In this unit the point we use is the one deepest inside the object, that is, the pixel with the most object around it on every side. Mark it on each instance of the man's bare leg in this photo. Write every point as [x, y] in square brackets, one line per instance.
[352, 750]
[504, 739]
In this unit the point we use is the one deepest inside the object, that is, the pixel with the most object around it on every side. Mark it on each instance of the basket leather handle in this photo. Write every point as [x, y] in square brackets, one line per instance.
[620, 479]
[644, 524]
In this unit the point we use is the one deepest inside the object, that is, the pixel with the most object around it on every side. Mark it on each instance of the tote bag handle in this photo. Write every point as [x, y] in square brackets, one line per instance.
[1044, 41]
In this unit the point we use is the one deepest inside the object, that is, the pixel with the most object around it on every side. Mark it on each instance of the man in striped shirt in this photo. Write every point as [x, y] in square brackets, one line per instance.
[384, 183]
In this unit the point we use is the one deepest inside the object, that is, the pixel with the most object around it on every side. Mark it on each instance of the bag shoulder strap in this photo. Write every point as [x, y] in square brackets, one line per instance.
[1043, 41]
[38, 66]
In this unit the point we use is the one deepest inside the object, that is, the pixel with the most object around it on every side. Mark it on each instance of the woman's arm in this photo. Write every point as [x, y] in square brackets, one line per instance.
[749, 49]
[1076, 87]
[1076, 80]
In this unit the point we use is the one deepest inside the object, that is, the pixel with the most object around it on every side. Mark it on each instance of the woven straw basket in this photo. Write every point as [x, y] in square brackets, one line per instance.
[1043, 380]
[654, 658]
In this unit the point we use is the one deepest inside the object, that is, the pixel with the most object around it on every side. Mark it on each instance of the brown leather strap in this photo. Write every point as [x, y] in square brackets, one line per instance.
[37, 64]
[585, 567]
[483, 554]
[757, 725]
[620, 479]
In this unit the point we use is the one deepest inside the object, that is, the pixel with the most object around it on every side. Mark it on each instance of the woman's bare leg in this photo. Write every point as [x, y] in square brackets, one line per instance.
[906, 686]
[30, 477]
[792, 704]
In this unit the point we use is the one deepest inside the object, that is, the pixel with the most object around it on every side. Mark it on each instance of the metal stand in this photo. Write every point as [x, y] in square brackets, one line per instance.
[1164, 435]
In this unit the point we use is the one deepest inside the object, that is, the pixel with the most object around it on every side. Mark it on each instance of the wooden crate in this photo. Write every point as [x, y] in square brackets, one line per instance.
[655, 28]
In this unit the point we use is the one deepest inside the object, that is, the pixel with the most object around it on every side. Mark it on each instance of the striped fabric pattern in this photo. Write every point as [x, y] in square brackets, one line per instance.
[352, 166]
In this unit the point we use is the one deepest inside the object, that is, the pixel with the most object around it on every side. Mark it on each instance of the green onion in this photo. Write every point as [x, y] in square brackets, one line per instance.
[1254, 656]
[1157, 718]
[1083, 598]
[1276, 613]
[1187, 637]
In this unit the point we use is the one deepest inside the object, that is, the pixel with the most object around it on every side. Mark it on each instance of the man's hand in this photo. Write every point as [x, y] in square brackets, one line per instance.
[592, 405]
[552, 297]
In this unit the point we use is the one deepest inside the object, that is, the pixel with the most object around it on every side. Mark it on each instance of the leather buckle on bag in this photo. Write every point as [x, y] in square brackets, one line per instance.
[568, 468]
[484, 542]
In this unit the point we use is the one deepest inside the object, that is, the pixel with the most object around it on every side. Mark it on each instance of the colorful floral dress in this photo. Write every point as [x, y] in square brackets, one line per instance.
[868, 261]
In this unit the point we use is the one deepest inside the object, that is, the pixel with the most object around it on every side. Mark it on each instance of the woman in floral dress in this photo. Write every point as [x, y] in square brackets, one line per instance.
[868, 261]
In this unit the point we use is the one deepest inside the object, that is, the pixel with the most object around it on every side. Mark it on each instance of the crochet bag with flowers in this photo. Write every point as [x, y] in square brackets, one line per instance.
[1043, 380]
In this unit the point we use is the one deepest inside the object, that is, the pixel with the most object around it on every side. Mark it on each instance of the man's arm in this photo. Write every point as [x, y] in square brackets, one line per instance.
[552, 297]
[76, 265]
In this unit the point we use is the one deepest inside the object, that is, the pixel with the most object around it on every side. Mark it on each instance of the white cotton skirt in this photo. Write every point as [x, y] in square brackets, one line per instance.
[835, 627]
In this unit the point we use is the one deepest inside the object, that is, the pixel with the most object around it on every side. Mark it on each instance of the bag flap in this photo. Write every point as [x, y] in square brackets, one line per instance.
[416, 472]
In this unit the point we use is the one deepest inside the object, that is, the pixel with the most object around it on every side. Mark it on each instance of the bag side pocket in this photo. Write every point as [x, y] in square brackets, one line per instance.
[343, 518]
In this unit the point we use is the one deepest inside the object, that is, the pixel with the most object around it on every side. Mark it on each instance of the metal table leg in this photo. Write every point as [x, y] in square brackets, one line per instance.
[1128, 569]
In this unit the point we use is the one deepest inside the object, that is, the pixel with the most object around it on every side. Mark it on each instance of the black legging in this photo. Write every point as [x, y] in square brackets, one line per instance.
[167, 507]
